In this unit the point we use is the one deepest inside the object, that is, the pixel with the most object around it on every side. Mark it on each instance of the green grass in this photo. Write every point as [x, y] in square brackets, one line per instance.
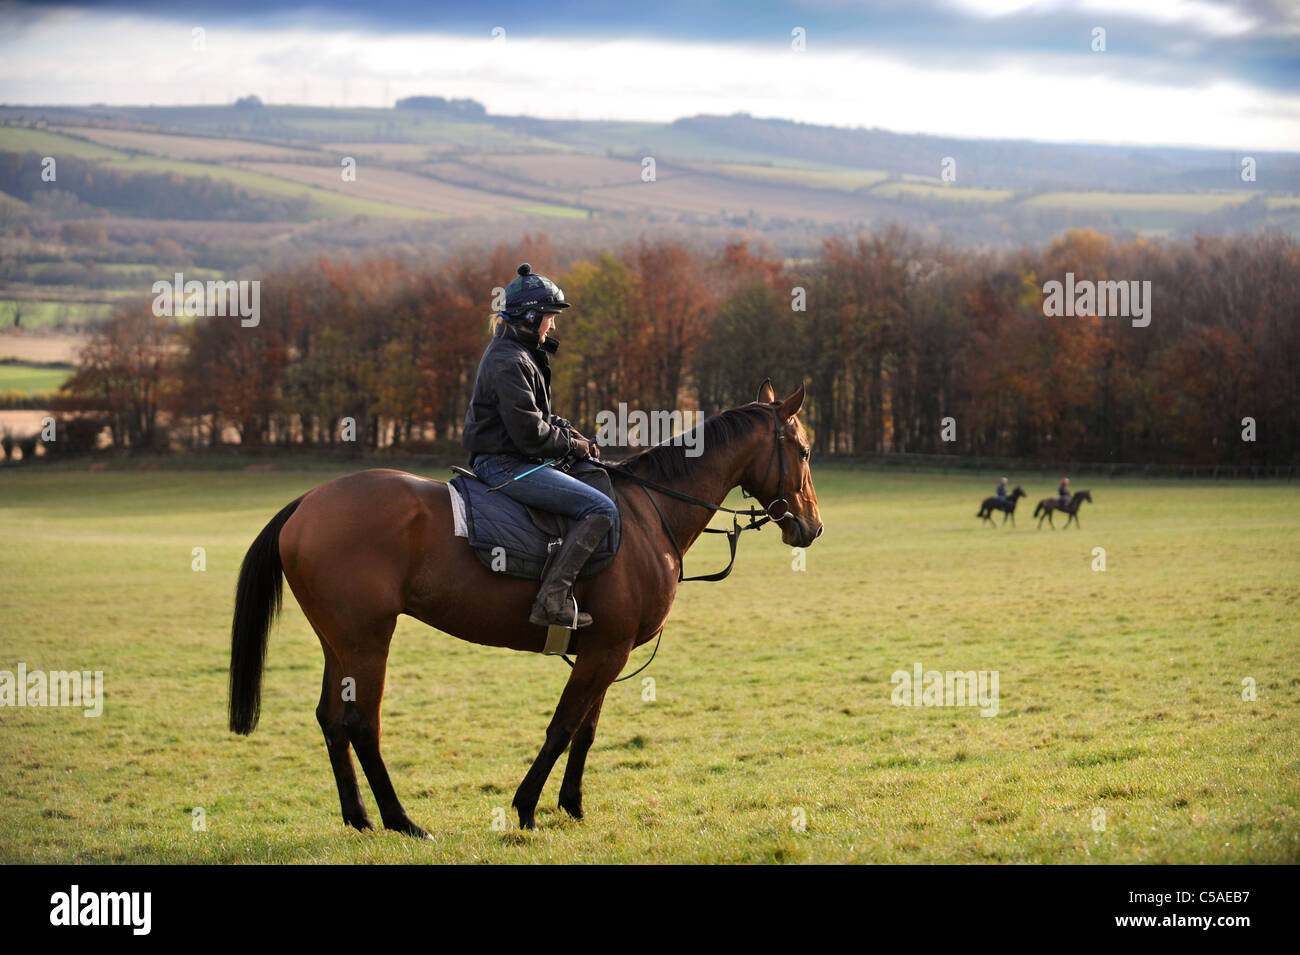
[939, 191]
[49, 313]
[22, 139]
[1119, 691]
[31, 379]
[558, 212]
[848, 180]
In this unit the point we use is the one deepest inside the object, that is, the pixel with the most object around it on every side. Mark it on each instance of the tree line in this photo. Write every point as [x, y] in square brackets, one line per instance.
[905, 346]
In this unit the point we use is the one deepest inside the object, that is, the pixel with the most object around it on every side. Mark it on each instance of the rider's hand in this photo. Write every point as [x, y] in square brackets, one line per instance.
[583, 449]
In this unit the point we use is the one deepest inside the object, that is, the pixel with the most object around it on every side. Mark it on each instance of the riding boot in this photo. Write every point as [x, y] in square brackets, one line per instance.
[553, 604]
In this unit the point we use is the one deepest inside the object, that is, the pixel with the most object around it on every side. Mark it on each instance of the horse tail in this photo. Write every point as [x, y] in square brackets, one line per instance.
[257, 601]
[1038, 508]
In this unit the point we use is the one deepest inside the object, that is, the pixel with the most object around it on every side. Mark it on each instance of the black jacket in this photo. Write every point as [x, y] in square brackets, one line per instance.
[510, 411]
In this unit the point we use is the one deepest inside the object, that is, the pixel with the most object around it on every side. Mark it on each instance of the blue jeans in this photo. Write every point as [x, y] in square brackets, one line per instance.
[546, 489]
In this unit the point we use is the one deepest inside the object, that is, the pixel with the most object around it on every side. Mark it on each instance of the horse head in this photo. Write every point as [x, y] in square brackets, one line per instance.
[779, 470]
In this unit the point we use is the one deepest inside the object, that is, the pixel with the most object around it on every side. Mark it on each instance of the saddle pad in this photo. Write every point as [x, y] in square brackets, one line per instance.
[493, 520]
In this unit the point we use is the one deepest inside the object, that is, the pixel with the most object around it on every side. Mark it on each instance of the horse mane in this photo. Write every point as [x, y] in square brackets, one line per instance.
[667, 461]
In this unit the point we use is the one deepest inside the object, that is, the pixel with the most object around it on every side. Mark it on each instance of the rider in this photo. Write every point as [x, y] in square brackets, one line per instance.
[1002, 491]
[1063, 492]
[509, 428]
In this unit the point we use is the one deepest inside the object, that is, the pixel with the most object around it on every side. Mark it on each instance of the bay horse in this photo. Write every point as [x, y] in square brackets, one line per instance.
[1008, 507]
[1049, 504]
[361, 549]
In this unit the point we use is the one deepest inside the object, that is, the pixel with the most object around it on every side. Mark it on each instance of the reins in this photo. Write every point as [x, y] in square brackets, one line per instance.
[756, 517]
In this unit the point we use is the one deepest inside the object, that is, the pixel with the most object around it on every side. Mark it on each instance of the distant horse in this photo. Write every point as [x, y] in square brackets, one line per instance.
[362, 549]
[1007, 506]
[1049, 504]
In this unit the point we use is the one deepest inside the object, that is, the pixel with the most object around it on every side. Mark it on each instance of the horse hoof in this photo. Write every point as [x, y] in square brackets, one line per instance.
[361, 823]
[408, 828]
[572, 806]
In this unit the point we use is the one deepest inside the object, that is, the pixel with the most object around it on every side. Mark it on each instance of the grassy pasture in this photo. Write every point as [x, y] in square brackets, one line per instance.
[939, 191]
[1120, 691]
[207, 148]
[31, 379]
[48, 313]
[22, 139]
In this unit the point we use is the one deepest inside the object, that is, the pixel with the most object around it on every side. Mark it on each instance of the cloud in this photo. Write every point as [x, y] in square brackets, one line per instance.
[1184, 72]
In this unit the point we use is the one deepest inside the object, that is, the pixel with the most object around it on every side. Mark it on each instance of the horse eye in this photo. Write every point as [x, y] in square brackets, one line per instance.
[805, 453]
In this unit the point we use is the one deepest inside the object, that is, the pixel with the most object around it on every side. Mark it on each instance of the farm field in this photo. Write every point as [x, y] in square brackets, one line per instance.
[940, 191]
[395, 187]
[40, 348]
[848, 180]
[189, 147]
[1190, 203]
[493, 171]
[703, 194]
[29, 139]
[48, 313]
[31, 379]
[1120, 692]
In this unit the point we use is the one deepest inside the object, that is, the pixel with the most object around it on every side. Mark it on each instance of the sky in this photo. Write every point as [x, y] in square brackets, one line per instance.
[1176, 72]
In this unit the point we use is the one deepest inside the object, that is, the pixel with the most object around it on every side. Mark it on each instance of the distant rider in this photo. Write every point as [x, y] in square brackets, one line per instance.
[1063, 492]
[1002, 491]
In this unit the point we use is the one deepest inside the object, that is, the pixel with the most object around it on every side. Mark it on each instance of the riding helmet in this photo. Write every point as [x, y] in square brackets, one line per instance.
[533, 293]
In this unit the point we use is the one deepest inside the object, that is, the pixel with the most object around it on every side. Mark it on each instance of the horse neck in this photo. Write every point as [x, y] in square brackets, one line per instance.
[717, 472]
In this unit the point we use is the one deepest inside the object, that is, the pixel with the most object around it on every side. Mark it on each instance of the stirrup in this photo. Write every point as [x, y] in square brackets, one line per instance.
[558, 636]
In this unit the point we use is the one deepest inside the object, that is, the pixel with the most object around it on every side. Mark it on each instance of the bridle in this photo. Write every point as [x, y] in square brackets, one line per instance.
[756, 517]
[778, 452]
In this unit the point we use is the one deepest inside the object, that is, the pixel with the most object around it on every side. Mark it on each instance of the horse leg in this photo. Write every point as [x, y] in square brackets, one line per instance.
[590, 678]
[329, 713]
[366, 664]
[571, 788]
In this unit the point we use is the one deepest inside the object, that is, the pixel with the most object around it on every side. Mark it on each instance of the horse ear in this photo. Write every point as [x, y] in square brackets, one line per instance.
[790, 407]
[766, 394]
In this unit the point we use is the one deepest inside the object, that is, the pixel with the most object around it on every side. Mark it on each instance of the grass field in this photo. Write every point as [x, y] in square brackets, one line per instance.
[940, 192]
[324, 202]
[1120, 692]
[21, 139]
[45, 314]
[31, 379]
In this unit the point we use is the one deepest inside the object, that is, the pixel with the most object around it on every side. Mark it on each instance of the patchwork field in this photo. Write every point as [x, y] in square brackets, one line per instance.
[31, 379]
[1120, 735]
[168, 146]
[395, 187]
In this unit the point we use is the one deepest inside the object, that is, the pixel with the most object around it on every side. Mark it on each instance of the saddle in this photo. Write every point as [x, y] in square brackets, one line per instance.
[523, 533]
